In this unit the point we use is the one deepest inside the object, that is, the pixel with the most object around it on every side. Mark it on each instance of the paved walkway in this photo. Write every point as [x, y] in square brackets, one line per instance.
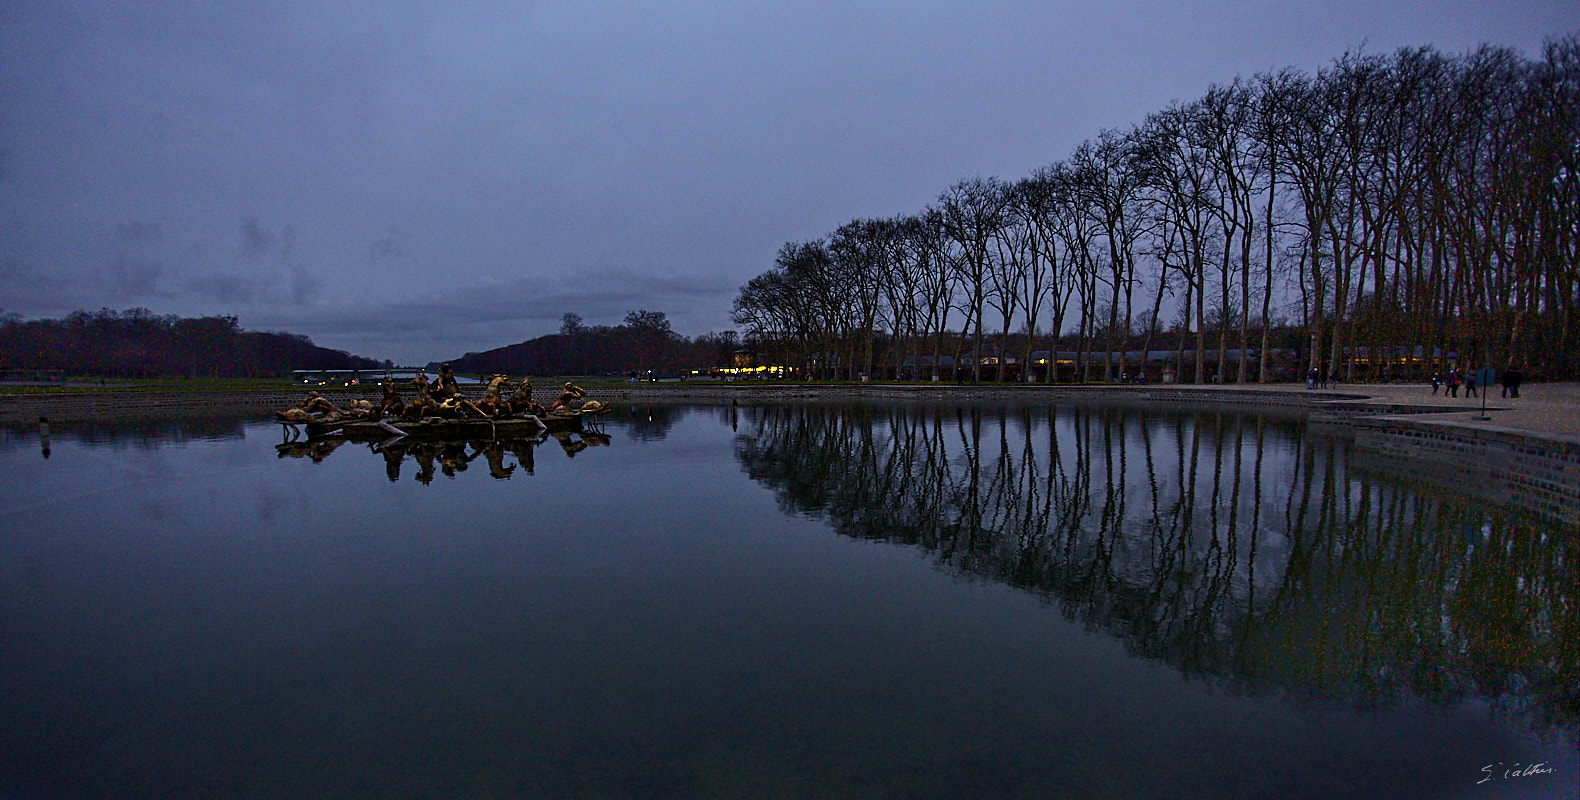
[1548, 410]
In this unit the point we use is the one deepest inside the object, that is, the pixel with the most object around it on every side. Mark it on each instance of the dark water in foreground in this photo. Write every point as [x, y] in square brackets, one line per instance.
[791, 601]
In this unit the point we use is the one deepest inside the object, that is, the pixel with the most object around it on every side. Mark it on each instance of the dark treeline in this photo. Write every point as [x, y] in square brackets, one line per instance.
[137, 343]
[1389, 215]
[1230, 547]
[645, 342]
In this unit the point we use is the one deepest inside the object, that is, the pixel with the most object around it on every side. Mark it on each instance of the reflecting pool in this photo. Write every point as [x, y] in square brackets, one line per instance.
[776, 601]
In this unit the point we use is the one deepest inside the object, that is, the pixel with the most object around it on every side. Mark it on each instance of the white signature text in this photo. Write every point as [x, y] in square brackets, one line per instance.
[1493, 772]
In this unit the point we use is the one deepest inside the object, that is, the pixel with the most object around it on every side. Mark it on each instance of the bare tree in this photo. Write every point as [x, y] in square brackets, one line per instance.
[861, 250]
[1110, 184]
[1034, 202]
[972, 212]
[1179, 185]
[1009, 271]
[1223, 127]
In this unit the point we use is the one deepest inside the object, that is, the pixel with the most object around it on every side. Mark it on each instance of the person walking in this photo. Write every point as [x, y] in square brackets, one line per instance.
[1470, 383]
[1437, 380]
[1453, 382]
[1512, 378]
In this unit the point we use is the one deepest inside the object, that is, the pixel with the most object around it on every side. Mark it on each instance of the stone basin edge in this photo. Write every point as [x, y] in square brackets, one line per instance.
[1535, 469]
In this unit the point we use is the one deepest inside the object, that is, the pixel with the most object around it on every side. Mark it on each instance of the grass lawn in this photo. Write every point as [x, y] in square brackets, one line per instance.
[93, 385]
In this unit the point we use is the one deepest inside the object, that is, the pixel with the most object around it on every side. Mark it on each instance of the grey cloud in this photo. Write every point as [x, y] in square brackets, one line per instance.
[389, 246]
[293, 286]
[600, 299]
[134, 279]
[487, 316]
[226, 289]
[255, 240]
[304, 286]
[38, 292]
[137, 231]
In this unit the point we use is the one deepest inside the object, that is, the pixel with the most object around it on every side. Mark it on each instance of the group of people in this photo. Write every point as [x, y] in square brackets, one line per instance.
[1315, 379]
[1510, 380]
[442, 398]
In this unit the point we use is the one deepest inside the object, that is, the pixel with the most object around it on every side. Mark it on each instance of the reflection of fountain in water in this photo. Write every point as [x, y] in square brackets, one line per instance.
[501, 456]
[1232, 547]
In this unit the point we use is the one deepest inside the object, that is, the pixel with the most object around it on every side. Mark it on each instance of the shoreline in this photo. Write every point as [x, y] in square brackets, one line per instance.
[1548, 411]
[1522, 452]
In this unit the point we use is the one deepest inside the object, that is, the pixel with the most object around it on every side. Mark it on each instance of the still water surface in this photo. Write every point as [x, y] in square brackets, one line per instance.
[784, 601]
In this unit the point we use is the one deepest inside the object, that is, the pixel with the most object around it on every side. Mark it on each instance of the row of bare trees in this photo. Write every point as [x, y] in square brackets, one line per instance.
[1388, 213]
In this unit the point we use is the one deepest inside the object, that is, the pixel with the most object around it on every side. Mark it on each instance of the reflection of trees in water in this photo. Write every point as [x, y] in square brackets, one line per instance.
[646, 423]
[141, 434]
[1225, 545]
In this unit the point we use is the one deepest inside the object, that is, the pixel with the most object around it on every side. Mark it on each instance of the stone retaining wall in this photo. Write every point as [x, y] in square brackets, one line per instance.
[1341, 417]
[1502, 465]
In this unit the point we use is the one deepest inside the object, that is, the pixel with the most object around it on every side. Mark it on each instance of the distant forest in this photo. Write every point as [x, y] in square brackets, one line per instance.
[643, 343]
[1399, 213]
[137, 343]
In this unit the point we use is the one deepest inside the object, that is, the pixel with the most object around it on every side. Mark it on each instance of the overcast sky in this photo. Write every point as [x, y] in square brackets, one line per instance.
[416, 180]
